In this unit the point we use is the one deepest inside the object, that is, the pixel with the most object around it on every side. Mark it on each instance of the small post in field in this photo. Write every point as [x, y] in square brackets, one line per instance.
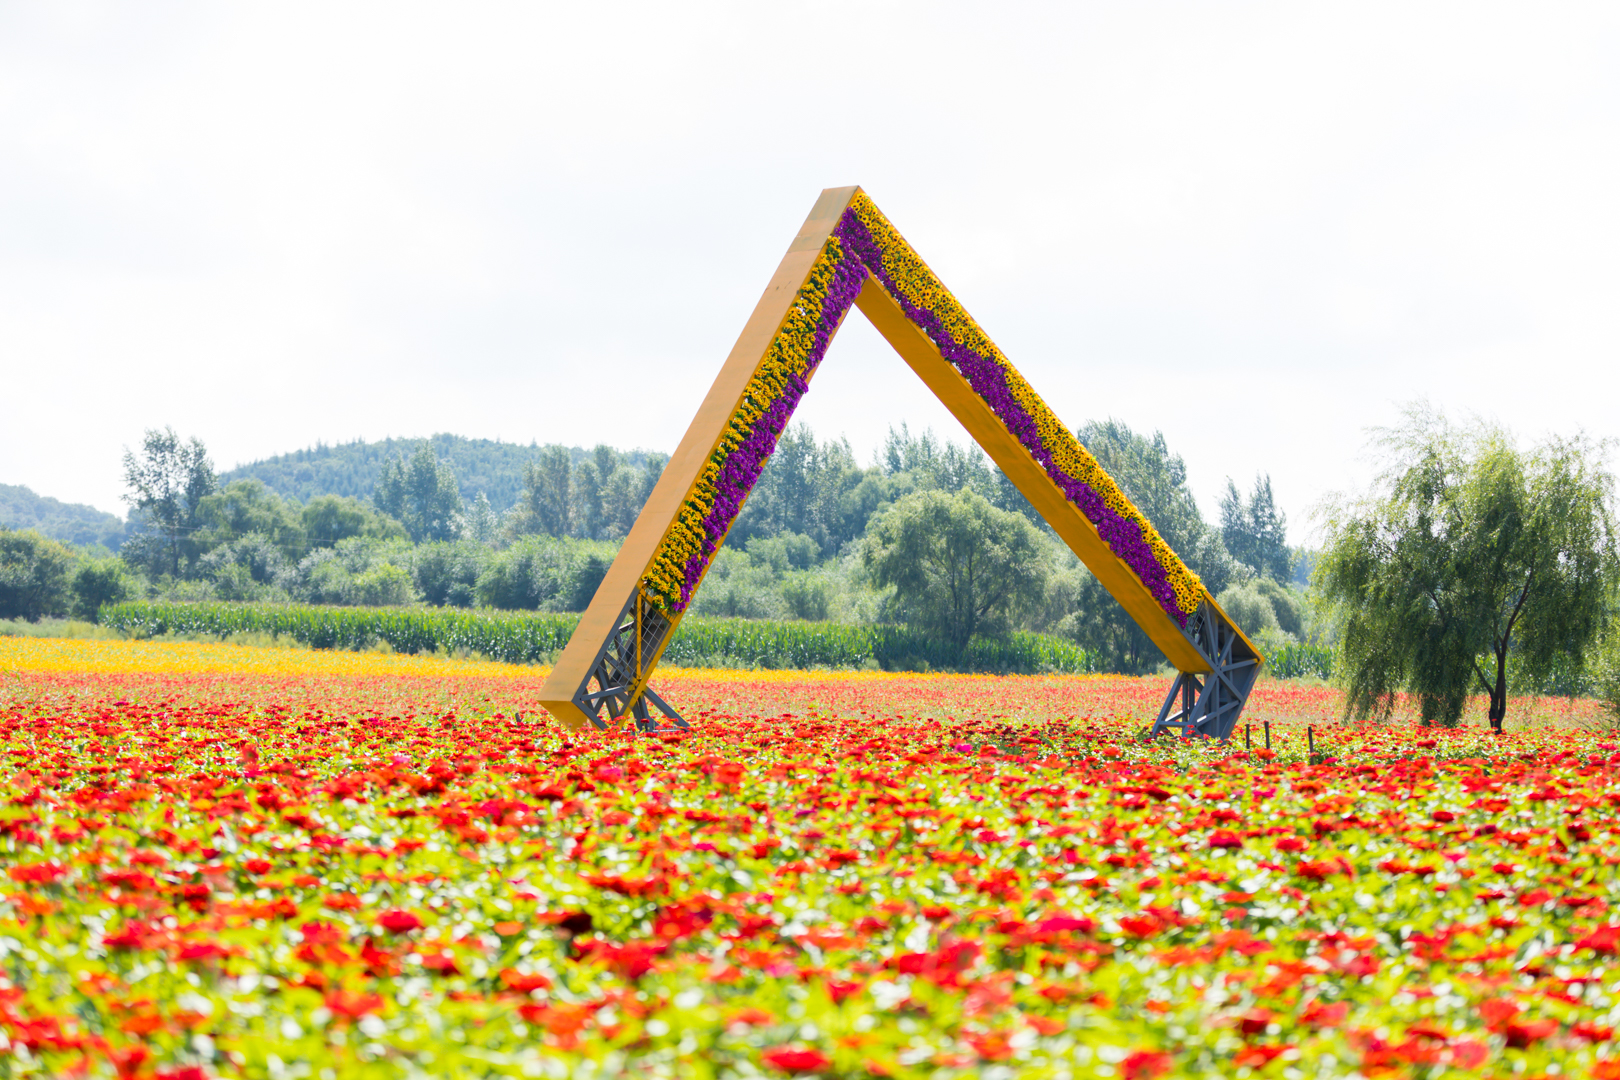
[1310, 745]
[1247, 745]
[1268, 734]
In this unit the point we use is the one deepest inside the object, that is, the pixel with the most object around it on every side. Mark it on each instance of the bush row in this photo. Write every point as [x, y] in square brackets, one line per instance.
[531, 637]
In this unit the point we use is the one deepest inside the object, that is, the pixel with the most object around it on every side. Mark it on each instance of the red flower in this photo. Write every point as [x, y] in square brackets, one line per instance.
[1146, 1064]
[1256, 1056]
[399, 921]
[202, 950]
[1225, 838]
[1604, 940]
[1255, 1021]
[443, 963]
[524, 983]
[37, 873]
[795, 1060]
[129, 1059]
[1325, 1016]
[750, 1017]
[1522, 1034]
[353, 1006]
[1498, 1011]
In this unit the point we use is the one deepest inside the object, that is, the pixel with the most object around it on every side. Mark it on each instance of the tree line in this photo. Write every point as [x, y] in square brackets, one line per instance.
[930, 534]
[1472, 566]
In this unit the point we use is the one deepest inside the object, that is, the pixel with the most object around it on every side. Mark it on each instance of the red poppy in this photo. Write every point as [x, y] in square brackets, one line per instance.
[1605, 940]
[796, 1060]
[398, 921]
[1146, 1064]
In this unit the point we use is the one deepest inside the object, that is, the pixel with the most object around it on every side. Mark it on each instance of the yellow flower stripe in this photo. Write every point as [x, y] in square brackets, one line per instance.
[912, 276]
[82, 657]
[788, 355]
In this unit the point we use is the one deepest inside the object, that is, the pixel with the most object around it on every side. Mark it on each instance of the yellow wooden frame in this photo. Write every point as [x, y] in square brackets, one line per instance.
[623, 581]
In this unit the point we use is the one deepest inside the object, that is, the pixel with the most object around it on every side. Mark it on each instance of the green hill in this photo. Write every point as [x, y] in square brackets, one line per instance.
[495, 468]
[73, 523]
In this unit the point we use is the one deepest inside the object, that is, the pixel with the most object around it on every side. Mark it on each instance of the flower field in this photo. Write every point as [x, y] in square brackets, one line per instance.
[225, 861]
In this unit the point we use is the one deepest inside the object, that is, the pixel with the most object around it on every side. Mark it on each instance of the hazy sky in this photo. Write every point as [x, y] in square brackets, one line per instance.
[1259, 227]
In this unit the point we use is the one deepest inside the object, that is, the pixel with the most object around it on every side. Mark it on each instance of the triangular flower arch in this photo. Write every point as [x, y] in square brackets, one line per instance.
[847, 254]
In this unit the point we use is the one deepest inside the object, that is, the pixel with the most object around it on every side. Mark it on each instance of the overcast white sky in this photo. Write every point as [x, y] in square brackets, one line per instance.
[1259, 227]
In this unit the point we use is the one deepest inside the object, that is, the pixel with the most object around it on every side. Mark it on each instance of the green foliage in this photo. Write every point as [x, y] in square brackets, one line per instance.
[808, 596]
[1467, 550]
[1156, 481]
[243, 568]
[248, 507]
[328, 519]
[544, 573]
[599, 497]
[333, 575]
[1297, 660]
[772, 644]
[624, 492]
[33, 575]
[1255, 531]
[536, 637]
[544, 506]
[959, 566]
[585, 580]
[817, 490]
[352, 469]
[421, 494]
[167, 484]
[100, 582]
[384, 585]
[606, 491]
[784, 551]
[447, 573]
[736, 587]
[1262, 606]
[480, 524]
[1250, 608]
[70, 523]
[1606, 671]
[1287, 605]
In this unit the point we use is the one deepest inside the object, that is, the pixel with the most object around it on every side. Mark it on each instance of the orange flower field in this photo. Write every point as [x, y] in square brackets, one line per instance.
[230, 861]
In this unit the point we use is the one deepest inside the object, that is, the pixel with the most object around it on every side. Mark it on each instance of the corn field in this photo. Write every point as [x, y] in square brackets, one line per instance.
[536, 637]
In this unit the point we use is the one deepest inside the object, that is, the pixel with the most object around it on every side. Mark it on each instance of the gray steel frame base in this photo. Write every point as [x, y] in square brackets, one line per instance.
[1210, 702]
[615, 670]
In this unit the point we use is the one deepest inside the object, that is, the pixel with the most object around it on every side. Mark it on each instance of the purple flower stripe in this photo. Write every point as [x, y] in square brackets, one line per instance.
[744, 464]
[988, 379]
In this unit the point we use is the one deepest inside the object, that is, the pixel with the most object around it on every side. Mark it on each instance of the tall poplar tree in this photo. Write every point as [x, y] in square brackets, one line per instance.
[166, 483]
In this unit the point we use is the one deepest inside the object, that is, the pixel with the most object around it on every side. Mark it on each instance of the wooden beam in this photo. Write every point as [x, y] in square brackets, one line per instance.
[919, 351]
[681, 473]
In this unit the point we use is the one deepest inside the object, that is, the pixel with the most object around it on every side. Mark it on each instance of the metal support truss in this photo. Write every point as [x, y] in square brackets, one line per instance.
[618, 677]
[1208, 703]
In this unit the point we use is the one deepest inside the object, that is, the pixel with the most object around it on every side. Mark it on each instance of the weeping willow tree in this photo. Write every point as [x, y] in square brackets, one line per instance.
[1466, 549]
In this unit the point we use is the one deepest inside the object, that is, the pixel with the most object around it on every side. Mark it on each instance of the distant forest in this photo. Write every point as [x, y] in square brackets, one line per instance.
[352, 469]
[71, 523]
